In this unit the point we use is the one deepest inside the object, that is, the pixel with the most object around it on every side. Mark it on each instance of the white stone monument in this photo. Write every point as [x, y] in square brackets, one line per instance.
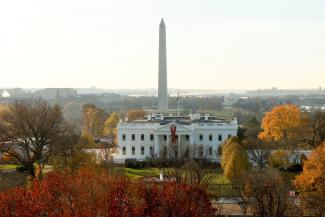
[162, 71]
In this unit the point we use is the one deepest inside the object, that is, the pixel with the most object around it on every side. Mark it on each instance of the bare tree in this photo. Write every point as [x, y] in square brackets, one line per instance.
[316, 128]
[264, 193]
[259, 157]
[29, 130]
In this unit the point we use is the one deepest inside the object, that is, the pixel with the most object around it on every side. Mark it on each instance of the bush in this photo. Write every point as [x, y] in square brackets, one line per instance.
[88, 194]
[134, 163]
[279, 158]
[165, 163]
[292, 168]
[21, 169]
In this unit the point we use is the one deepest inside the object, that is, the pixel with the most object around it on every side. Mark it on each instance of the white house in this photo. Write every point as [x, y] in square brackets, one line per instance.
[173, 137]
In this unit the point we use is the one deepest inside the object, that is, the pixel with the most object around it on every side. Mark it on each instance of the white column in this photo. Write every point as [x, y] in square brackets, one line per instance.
[157, 145]
[191, 147]
[179, 146]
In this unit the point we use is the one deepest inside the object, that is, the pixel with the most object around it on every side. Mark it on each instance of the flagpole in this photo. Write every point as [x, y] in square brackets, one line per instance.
[178, 105]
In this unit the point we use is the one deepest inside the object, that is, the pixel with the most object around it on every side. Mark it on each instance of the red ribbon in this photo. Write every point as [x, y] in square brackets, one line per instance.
[173, 132]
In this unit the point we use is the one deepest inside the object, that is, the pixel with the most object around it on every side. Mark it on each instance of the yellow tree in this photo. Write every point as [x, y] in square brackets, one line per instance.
[234, 159]
[311, 182]
[283, 125]
[134, 114]
[111, 124]
[93, 120]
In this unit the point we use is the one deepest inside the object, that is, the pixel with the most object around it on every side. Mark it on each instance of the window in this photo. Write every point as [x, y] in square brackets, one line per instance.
[187, 138]
[142, 150]
[201, 137]
[210, 150]
[142, 137]
[151, 137]
[124, 150]
[133, 137]
[133, 150]
[165, 137]
[210, 137]
[220, 137]
[123, 137]
[229, 135]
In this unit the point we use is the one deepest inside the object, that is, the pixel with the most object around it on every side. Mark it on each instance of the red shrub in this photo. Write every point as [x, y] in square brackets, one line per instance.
[86, 194]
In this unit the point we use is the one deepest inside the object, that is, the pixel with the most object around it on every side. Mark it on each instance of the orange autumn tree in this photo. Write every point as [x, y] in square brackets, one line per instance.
[311, 182]
[134, 114]
[283, 125]
[88, 193]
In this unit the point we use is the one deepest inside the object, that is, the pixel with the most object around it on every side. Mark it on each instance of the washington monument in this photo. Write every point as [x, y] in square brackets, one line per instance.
[162, 71]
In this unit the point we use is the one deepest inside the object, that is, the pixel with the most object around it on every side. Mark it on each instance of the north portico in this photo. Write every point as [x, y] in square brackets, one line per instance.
[157, 136]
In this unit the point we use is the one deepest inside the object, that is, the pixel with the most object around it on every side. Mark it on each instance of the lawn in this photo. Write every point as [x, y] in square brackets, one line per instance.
[8, 166]
[218, 178]
[139, 173]
[227, 112]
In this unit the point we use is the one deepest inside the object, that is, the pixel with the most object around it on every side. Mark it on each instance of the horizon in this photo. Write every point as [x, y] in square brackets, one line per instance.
[223, 45]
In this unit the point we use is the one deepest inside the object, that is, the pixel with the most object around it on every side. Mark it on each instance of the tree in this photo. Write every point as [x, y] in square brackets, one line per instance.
[87, 193]
[279, 158]
[311, 182]
[135, 114]
[234, 160]
[282, 125]
[70, 154]
[315, 130]
[29, 131]
[259, 157]
[72, 112]
[264, 193]
[111, 123]
[93, 120]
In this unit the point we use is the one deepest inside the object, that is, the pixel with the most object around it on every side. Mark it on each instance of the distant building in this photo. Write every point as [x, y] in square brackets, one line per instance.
[192, 136]
[52, 93]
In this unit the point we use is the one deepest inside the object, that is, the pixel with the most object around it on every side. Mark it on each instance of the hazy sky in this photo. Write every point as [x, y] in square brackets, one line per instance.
[228, 44]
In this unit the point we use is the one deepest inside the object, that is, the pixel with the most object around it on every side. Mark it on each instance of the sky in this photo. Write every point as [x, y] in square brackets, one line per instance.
[211, 44]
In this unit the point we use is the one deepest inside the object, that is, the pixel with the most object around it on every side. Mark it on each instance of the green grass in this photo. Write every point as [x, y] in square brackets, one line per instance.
[218, 178]
[139, 173]
[8, 166]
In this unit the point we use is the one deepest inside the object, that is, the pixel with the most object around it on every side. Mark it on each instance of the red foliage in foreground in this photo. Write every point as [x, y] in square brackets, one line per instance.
[86, 194]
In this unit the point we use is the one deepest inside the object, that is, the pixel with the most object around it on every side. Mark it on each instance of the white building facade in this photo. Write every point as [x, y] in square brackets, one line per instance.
[192, 136]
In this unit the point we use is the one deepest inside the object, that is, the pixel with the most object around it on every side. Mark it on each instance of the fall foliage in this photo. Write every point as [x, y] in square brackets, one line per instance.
[282, 125]
[134, 114]
[234, 159]
[311, 182]
[279, 158]
[87, 194]
[93, 119]
[111, 123]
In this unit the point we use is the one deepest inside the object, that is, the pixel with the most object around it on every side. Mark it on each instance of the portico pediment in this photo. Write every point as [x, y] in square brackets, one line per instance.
[179, 128]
